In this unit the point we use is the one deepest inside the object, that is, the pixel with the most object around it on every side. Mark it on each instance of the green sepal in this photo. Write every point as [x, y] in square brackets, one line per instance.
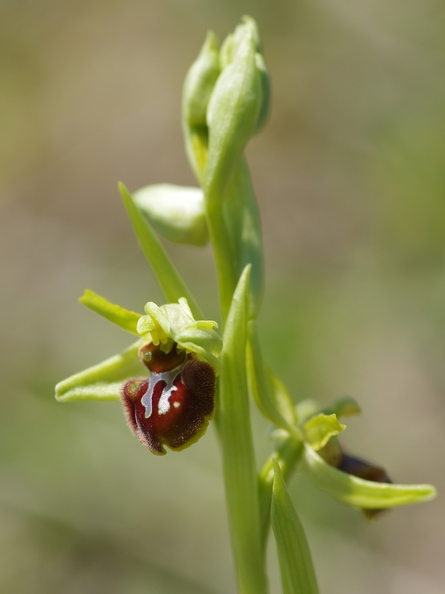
[239, 466]
[124, 318]
[270, 402]
[320, 428]
[359, 492]
[102, 381]
[297, 570]
[171, 283]
[177, 213]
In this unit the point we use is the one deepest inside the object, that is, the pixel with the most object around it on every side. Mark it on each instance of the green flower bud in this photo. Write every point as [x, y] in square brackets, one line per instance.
[265, 92]
[234, 108]
[198, 86]
[200, 81]
[227, 53]
[177, 213]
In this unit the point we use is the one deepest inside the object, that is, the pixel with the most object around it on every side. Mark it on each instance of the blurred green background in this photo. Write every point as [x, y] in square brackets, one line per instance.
[350, 177]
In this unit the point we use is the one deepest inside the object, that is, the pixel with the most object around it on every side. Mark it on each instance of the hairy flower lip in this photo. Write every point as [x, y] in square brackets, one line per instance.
[172, 407]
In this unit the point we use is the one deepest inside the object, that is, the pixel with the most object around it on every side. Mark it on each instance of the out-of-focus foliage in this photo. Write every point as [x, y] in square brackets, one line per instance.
[349, 176]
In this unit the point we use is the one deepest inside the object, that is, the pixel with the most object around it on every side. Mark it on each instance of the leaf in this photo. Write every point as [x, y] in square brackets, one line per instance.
[233, 420]
[125, 319]
[288, 455]
[297, 571]
[166, 274]
[278, 410]
[102, 381]
[359, 492]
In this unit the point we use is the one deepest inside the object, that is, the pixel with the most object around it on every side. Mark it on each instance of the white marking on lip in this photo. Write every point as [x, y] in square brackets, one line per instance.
[164, 400]
[169, 378]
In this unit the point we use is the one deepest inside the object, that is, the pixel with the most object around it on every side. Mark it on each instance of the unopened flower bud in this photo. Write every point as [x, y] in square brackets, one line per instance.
[200, 82]
[177, 213]
[234, 108]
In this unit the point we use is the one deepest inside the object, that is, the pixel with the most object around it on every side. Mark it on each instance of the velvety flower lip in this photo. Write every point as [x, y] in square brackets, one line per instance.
[173, 406]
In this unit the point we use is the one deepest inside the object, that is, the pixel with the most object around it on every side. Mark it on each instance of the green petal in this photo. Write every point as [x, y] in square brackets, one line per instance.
[361, 493]
[297, 570]
[125, 319]
[166, 274]
[319, 429]
[102, 381]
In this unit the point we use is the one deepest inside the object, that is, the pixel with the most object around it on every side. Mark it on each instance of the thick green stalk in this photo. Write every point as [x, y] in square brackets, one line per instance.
[240, 478]
[224, 257]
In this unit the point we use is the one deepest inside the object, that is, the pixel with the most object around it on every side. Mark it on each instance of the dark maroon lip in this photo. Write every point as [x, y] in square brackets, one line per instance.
[172, 407]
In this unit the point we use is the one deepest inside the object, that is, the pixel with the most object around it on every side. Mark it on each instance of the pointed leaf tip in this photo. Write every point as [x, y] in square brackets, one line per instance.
[297, 571]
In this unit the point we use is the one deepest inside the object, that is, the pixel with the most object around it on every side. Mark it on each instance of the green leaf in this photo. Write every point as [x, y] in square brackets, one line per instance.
[102, 381]
[125, 319]
[288, 455]
[279, 411]
[233, 420]
[166, 274]
[359, 492]
[319, 429]
[297, 571]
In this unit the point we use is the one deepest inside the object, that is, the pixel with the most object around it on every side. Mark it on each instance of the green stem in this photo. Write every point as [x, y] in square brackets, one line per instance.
[240, 477]
[224, 258]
